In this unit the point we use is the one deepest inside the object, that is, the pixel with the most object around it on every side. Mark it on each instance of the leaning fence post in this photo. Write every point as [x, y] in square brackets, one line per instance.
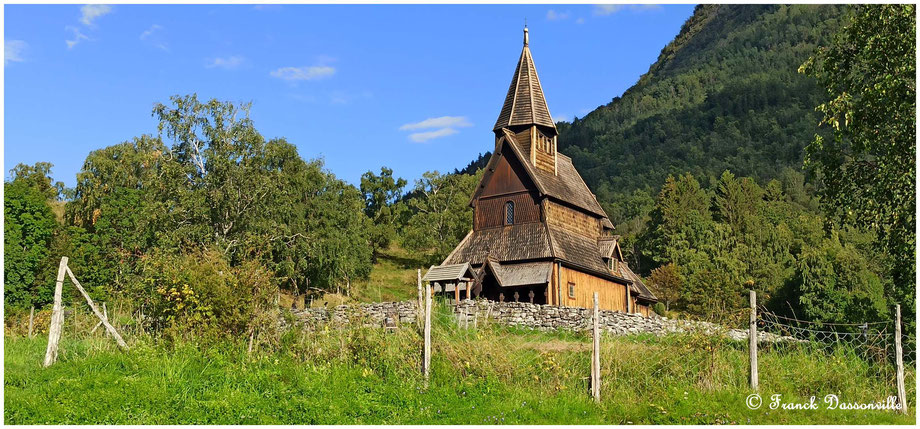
[57, 316]
[426, 361]
[596, 355]
[31, 318]
[899, 359]
[108, 327]
[752, 340]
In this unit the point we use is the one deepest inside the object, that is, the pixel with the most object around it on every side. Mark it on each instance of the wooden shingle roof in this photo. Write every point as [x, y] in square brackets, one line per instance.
[518, 242]
[528, 273]
[566, 186]
[452, 272]
[525, 103]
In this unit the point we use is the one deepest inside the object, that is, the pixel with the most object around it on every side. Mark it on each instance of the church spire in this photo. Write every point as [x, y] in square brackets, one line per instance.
[525, 104]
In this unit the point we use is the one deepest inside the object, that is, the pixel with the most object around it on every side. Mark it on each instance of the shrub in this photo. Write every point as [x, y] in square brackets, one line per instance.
[201, 294]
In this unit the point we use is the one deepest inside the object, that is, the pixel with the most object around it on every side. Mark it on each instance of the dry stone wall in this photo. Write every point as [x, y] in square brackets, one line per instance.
[535, 316]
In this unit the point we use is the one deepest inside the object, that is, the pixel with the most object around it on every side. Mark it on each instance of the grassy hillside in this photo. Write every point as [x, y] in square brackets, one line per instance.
[489, 374]
[724, 94]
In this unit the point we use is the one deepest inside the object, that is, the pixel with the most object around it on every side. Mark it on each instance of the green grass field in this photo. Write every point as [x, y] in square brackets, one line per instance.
[486, 375]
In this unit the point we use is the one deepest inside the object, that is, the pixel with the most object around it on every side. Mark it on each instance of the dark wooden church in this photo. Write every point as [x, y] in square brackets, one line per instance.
[539, 234]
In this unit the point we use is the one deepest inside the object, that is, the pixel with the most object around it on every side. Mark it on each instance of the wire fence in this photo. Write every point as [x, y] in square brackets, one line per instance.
[872, 343]
[799, 356]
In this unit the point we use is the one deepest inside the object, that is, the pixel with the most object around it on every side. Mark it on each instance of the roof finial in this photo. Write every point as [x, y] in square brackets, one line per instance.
[526, 37]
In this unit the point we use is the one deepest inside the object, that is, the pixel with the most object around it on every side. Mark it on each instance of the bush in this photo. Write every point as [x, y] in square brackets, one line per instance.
[659, 309]
[201, 294]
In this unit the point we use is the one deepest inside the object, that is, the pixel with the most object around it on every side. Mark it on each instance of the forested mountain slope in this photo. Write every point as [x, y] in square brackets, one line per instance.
[725, 94]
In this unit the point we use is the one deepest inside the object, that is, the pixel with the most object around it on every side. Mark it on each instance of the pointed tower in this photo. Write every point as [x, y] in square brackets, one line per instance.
[526, 115]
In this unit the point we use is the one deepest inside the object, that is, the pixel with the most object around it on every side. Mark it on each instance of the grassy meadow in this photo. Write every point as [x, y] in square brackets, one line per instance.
[482, 375]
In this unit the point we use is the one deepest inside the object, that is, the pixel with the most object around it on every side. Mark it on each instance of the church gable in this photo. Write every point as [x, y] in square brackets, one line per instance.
[506, 194]
[508, 177]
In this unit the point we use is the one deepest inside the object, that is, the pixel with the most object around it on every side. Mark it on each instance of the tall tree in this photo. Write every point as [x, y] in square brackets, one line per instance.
[665, 281]
[28, 230]
[382, 206]
[868, 166]
[441, 214]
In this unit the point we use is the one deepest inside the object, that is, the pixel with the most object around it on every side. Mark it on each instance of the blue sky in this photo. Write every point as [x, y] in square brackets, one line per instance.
[414, 88]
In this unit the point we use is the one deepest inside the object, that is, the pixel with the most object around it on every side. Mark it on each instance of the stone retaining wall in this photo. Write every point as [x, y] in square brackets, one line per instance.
[535, 316]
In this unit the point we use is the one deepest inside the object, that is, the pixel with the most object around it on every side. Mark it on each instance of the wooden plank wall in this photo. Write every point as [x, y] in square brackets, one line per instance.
[505, 179]
[572, 220]
[490, 212]
[544, 159]
[611, 295]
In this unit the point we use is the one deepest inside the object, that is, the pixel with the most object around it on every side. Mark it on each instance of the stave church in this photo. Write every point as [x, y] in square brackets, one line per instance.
[539, 234]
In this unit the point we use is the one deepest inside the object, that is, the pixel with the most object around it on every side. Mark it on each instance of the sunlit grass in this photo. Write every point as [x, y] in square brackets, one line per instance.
[490, 374]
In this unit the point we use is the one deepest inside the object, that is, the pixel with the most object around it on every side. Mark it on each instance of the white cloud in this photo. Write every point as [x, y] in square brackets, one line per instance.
[149, 32]
[610, 9]
[607, 9]
[77, 36]
[13, 50]
[303, 73]
[440, 122]
[93, 11]
[154, 36]
[429, 135]
[444, 126]
[552, 15]
[227, 63]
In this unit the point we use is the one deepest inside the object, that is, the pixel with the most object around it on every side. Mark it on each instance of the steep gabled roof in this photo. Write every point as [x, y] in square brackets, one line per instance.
[455, 272]
[525, 103]
[567, 186]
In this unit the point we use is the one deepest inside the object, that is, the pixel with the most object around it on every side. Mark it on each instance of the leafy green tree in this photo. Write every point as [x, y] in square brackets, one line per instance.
[217, 185]
[28, 228]
[680, 222]
[340, 249]
[666, 282]
[834, 285]
[441, 213]
[38, 176]
[381, 204]
[868, 167]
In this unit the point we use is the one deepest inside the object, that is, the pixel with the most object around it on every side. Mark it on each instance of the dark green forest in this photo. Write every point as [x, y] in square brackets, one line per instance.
[731, 165]
[725, 94]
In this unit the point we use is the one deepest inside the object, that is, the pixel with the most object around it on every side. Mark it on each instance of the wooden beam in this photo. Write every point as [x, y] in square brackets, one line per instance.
[109, 328]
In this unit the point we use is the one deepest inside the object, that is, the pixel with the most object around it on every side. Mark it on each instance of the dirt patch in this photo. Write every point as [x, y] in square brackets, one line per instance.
[557, 346]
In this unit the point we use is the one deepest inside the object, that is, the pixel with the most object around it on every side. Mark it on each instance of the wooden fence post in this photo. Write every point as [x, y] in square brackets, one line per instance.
[419, 316]
[426, 362]
[596, 355]
[31, 318]
[752, 341]
[57, 316]
[108, 327]
[899, 359]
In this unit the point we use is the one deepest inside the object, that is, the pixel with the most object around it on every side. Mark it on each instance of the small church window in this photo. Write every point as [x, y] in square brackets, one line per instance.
[509, 213]
[571, 290]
